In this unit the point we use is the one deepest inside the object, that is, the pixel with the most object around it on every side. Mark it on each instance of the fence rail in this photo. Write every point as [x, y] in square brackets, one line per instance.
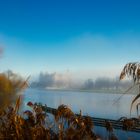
[116, 124]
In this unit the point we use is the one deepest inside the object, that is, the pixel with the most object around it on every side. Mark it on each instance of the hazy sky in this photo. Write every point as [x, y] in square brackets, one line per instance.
[84, 37]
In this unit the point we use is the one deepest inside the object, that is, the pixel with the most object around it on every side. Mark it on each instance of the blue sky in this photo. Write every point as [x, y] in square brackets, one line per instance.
[86, 37]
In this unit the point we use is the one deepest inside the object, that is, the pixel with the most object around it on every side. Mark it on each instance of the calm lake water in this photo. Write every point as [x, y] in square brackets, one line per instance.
[92, 104]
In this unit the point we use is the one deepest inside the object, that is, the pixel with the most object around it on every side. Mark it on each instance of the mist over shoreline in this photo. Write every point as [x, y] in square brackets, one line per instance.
[66, 81]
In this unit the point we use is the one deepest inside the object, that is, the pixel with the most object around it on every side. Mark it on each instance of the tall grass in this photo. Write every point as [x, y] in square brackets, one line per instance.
[33, 125]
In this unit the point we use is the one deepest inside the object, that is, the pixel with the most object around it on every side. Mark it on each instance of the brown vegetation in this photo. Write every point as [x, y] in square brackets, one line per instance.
[33, 124]
[10, 85]
[132, 70]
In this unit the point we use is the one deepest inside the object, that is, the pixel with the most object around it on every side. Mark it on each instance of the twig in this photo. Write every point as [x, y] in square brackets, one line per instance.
[125, 93]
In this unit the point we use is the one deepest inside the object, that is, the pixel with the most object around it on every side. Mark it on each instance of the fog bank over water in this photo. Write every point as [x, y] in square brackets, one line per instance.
[68, 80]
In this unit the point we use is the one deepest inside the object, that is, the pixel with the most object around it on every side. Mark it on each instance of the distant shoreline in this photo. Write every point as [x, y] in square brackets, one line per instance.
[107, 91]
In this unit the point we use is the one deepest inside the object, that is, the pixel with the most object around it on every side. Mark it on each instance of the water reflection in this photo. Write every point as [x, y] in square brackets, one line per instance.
[93, 104]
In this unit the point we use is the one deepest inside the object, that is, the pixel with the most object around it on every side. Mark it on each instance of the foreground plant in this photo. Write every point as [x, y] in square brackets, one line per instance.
[32, 125]
[132, 70]
[11, 85]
